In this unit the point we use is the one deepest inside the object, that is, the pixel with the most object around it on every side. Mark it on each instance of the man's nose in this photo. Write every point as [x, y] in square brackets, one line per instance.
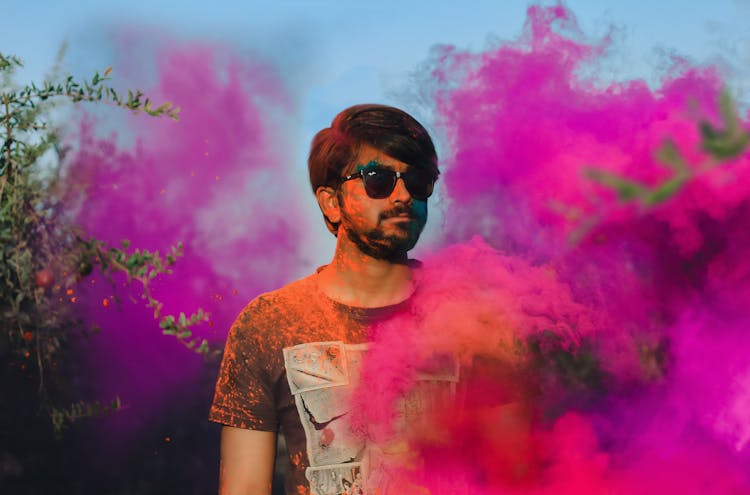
[400, 192]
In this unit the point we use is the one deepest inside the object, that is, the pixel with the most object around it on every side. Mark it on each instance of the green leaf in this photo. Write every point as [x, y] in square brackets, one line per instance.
[664, 192]
[624, 188]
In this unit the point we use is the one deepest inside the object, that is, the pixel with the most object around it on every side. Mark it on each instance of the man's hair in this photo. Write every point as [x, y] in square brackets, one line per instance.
[387, 129]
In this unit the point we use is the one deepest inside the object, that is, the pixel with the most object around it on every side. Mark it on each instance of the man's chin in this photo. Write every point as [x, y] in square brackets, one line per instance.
[389, 249]
[395, 249]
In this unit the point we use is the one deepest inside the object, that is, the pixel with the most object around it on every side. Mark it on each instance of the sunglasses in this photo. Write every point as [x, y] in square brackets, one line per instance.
[380, 181]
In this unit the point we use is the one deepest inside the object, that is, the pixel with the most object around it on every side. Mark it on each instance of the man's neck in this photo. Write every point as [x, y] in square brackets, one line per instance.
[356, 279]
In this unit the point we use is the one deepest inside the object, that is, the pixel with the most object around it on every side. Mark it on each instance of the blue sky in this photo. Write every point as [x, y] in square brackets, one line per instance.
[335, 53]
[339, 52]
[379, 41]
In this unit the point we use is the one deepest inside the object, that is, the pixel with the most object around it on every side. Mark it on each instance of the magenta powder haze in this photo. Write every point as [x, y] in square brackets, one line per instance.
[211, 181]
[653, 297]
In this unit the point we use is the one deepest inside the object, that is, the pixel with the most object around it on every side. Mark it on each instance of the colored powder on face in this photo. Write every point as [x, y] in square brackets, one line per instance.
[210, 181]
[612, 333]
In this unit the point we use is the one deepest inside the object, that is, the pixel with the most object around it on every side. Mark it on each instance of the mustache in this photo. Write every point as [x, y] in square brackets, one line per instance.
[398, 211]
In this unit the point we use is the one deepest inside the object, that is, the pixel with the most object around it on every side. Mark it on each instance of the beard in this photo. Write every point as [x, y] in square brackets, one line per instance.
[378, 244]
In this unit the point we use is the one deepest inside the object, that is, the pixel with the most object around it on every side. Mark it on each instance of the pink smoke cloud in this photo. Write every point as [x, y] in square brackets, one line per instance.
[213, 181]
[615, 330]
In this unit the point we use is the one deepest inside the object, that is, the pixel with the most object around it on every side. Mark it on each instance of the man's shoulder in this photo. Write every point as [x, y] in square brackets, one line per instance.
[291, 293]
[283, 302]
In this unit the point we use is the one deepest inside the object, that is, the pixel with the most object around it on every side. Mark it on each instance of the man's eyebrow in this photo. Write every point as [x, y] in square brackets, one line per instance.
[372, 164]
[369, 165]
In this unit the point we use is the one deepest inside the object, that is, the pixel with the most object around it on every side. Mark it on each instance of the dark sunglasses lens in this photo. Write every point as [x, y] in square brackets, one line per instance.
[419, 183]
[379, 184]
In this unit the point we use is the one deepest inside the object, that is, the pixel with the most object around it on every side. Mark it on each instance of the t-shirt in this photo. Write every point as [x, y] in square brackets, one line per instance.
[291, 361]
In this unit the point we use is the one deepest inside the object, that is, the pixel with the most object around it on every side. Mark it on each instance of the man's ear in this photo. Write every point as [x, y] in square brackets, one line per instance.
[328, 202]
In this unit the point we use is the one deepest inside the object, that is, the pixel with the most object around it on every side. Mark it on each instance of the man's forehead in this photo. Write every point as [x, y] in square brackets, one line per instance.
[368, 152]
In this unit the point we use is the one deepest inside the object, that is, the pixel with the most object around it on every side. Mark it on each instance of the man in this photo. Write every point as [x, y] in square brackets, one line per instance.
[292, 357]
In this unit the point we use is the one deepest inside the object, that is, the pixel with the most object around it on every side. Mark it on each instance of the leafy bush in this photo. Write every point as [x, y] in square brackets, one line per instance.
[44, 255]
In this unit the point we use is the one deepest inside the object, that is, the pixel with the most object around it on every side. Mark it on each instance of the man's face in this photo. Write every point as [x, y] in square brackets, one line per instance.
[381, 228]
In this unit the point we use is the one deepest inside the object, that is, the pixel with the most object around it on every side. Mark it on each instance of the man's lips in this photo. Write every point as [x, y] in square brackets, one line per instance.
[399, 214]
[400, 217]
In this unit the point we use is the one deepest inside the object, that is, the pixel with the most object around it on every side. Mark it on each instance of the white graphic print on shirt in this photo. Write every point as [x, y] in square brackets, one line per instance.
[322, 377]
